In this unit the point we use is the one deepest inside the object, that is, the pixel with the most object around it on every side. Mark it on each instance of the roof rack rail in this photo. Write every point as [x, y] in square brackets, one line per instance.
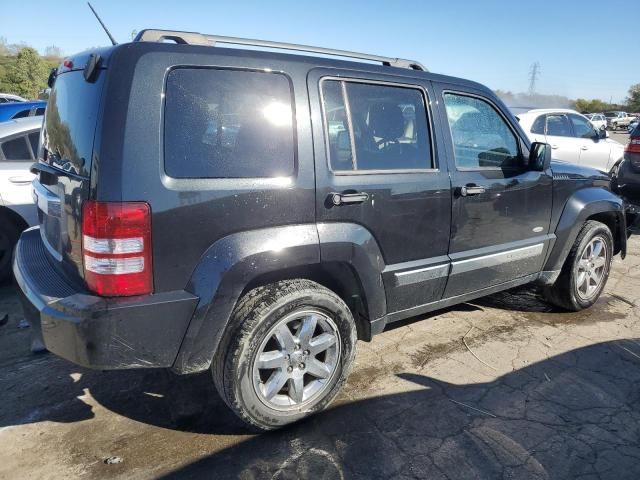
[194, 38]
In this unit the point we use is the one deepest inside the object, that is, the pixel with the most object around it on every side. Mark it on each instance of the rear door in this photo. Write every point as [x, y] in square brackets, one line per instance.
[560, 135]
[501, 209]
[378, 168]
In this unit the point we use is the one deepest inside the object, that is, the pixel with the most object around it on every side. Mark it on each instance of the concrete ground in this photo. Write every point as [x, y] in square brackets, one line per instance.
[504, 388]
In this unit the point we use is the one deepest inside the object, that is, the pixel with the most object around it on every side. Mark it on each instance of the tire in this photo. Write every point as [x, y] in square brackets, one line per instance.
[248, 386]
[570, 291]
[9, 234]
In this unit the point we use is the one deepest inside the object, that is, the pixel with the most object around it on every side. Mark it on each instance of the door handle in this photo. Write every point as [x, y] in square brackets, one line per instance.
[554, 147]
[338, 199]
[584, 147]
[469, 190]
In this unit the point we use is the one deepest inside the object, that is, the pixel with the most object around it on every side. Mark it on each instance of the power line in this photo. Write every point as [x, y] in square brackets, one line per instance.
[534, 73]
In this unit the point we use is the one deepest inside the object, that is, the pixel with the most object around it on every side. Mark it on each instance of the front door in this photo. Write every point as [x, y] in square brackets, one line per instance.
[380, 180]
[501, 208]
[594, 151]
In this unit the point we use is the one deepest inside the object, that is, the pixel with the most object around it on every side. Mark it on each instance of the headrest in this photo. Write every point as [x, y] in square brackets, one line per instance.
[386, 121]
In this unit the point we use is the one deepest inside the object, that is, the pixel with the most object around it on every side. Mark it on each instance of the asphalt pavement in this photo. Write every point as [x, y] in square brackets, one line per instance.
[506, 387]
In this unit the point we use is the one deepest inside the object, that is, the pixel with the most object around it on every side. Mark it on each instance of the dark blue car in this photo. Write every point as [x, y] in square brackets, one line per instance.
[9, 111]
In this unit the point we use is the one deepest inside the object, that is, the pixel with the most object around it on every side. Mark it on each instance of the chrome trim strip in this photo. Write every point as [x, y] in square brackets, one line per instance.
[463, 266]
[425, 274]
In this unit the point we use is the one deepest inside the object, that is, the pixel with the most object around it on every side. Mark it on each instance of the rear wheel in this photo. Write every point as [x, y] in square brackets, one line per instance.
[586, 270]
[9, 234]
[286, 353]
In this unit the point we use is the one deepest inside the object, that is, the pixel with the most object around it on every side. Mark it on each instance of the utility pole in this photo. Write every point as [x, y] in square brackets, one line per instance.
[534, 73]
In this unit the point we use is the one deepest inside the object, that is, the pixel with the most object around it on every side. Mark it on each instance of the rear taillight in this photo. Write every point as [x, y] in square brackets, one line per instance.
[116, 248]
[633, 146]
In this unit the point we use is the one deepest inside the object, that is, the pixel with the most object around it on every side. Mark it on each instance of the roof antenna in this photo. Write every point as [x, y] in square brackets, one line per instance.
[113, 42]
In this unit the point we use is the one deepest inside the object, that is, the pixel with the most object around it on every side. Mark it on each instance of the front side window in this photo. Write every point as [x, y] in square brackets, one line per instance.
[228, 124]
[558, 126]
[481, 136]
[582, 127]
[16, 149]
[374, 127]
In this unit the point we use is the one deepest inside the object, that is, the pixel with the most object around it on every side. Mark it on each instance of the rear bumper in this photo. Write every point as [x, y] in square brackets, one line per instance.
[97, 332]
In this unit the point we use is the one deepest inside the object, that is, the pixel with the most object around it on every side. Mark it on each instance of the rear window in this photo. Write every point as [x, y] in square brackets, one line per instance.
[70, 121]
[228, 124]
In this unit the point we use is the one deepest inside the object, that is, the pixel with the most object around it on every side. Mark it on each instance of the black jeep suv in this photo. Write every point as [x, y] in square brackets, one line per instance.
[255, 213]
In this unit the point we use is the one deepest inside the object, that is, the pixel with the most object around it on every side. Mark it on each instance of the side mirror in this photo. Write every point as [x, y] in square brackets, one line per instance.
[540, 156]
[602, 134]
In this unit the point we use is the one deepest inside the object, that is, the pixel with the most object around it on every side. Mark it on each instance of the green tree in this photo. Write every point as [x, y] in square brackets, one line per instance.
[28, 75]
[633, 100]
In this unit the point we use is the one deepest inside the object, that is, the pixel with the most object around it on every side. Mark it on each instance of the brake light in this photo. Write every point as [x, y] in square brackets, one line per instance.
[116, 248]
[633, 146]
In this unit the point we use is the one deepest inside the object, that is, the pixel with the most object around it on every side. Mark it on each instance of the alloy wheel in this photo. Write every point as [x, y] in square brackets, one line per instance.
[297, 360]
[592, 268]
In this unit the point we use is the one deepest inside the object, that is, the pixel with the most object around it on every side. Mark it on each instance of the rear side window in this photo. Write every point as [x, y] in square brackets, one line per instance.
[481, 136]
[16, 149]
[228, 124]
[375, 127]
[21, 114]
[558, 126]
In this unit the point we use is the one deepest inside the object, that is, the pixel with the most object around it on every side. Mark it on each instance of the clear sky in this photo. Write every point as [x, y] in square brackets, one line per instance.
[586, 48]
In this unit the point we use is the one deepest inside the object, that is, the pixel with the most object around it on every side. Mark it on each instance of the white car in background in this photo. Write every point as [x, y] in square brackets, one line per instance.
[18, 150]
[10, 98]
[598, 120]
[572, 137]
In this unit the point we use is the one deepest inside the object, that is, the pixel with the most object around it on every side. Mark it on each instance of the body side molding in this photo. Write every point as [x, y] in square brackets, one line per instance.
[224, 271]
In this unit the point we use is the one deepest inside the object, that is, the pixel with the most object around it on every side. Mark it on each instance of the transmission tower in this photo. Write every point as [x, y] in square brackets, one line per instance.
[534, 73]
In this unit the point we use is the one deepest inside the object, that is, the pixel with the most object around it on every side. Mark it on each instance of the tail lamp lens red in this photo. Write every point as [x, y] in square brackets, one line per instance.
[634, 145]
[116, 248]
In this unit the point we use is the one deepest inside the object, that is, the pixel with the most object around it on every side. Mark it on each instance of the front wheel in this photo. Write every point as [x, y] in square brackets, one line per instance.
[586, 270]
[286, 353]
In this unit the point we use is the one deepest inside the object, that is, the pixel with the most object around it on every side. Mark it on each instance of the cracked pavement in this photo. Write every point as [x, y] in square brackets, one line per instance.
[503, 388]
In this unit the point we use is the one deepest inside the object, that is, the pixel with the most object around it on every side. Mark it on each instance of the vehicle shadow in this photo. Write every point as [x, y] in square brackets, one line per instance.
[574, 415]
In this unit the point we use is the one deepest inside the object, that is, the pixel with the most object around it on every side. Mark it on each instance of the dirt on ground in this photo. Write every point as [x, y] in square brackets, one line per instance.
[506, 387]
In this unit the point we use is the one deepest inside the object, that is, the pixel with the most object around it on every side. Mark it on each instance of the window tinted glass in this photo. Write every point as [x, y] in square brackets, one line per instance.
[558, 126]
[16, 149]
[389, 127]
[582, 127]
[337, 126]
[228, 124]
[21, 114]
[538, 125]
[34, 139]
[481, 137]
